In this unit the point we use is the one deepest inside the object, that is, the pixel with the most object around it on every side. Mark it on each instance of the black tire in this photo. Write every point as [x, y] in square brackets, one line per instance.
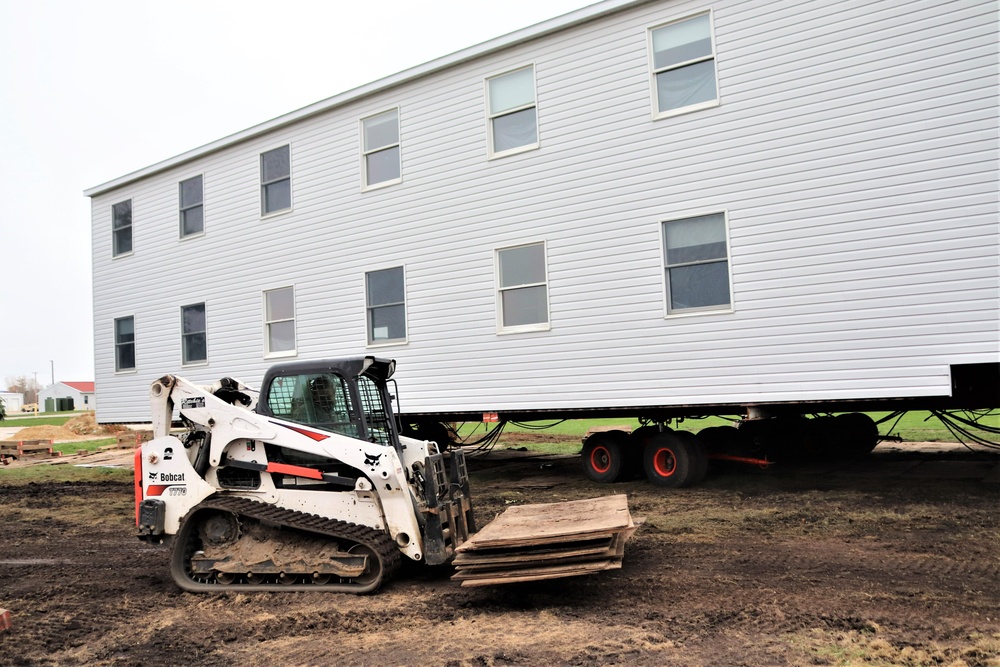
[721, 440]
[637, 441]
[858, 433]
[699, 467]
[668, 461]
[604, 457]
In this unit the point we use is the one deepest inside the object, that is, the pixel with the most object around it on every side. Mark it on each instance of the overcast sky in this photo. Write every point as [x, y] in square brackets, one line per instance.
[93, 90]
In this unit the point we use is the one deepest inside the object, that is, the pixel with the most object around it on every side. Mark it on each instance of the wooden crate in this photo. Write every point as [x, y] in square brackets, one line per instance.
[131, 439]
[26, 448]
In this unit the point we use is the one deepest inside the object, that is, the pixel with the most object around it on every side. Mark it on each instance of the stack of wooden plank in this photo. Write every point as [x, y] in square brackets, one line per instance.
[547, 541]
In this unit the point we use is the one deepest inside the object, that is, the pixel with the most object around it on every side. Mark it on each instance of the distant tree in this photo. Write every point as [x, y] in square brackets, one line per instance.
[3, 410]
[22, 384]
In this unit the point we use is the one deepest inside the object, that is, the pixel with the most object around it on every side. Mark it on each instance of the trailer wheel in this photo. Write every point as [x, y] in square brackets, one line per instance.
[637, 441]
[603, 457]
[699, 465]
[668, 461]
[858, 433]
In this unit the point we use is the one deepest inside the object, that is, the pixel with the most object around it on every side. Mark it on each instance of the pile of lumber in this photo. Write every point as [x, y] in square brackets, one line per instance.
[547, 541]
[26, 448]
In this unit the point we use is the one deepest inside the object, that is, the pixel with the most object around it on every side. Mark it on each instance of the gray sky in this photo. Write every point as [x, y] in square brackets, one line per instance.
[90, 91]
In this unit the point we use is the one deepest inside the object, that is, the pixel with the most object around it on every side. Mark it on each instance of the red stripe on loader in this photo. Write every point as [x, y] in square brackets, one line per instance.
[298, 471]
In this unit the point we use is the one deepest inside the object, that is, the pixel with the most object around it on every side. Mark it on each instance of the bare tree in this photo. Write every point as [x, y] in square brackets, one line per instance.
[22, 384]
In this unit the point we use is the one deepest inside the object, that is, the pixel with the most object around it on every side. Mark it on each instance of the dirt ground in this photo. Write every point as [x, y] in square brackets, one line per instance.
[894, 560]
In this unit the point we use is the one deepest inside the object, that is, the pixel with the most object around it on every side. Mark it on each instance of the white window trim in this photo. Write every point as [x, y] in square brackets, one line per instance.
[705, 310]
[491, 154]
[365, 187]
[295, 318]
[260, 182]
[203, 362]
[180, 209]
[497, 290]
[135, 350]
[654, 95]
[131, 205]
[395, 342]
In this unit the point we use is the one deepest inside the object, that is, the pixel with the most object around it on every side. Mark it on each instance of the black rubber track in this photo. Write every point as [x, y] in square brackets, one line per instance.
[185, 546]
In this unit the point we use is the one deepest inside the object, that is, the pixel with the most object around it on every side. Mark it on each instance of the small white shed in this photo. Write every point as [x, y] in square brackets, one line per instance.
[12, 401]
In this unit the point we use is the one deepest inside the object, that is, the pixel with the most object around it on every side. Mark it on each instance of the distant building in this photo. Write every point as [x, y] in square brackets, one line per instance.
[63, 396]
[12, 402]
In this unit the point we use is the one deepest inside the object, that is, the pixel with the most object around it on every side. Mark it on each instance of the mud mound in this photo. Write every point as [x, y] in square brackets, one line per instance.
[86, 424]
[45, 433]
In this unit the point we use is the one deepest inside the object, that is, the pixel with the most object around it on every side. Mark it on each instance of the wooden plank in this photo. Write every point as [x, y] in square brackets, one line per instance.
[513, 561]
[524, 525]
[490, 579]
[544, 551]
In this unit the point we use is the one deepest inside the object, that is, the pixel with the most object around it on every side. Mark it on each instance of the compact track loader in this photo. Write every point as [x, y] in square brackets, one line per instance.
[308, 485]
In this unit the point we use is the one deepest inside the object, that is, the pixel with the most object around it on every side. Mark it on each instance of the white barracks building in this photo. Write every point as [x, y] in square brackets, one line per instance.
[699, 203]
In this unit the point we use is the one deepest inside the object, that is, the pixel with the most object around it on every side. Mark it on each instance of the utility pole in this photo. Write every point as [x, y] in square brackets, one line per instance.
[35, 389]
[53, 364]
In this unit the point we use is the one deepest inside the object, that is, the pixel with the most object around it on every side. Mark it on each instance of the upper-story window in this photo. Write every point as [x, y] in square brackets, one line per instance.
[192, 206]
[275, 180]
[279, 322]
[380, 149]
[194, 334]
[125, 344]
[385, 294]
[684, 66]
[513, 121]
[522, 291]
[697, 264]
[121, 228]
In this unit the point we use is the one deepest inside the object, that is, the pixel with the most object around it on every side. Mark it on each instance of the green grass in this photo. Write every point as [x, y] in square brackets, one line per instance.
[70, 448]
[24, 422]
[62, 473]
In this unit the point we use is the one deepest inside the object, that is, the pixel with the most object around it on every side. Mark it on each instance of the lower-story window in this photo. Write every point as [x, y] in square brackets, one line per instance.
[279, 322]
[194, 335]
[125, 344]
[522, 288]
[385, 295]
[697, 264]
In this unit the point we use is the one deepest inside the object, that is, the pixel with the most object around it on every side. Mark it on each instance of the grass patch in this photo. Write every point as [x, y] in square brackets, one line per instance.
[70, 448]
[63, 473]
[24, 422]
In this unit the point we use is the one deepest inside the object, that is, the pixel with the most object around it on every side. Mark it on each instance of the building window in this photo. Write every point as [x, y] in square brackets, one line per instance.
[386, 303]
[697, 264]
[121, 228]
[513, 121]
[192, 207]
[125, 344]
[279, 321]
[275, 180]
[380, 144]
[522, 293]
[684, 66]
[194, 335]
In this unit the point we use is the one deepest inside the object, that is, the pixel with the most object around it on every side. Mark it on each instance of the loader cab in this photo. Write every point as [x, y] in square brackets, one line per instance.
[345, 396]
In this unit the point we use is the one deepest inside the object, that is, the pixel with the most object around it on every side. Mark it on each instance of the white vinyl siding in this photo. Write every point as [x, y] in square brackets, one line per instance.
[194, 334]
[855, 155]
[191, 202]
[121, 228]
[380, 154]
[276, 180]
[683, 61]
[279, 322]
[513, 114]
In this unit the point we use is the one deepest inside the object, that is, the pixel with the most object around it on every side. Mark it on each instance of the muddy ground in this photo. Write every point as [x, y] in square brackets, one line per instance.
[891, 561]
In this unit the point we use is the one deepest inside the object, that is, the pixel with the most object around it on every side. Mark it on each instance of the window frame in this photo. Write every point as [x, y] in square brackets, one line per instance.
[131, 229]
[114, 336]
[263, 184]
[668, 313]
[498, 290]
[365, 185]
[368, 308]
[197, 362]
[491, 152]
[653, 71]
[268, 354]
[181, 209]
